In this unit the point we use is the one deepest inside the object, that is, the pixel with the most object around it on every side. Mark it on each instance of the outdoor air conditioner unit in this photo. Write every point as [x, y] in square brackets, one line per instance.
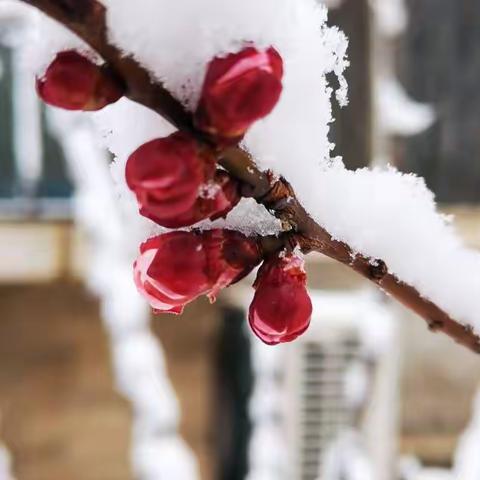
[336, 383]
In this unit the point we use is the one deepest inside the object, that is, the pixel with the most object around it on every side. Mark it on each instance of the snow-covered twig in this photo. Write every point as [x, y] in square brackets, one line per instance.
[87, 18]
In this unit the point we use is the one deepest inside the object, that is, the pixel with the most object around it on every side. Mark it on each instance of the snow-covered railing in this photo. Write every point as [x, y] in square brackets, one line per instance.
[268, 397]
[157, 450]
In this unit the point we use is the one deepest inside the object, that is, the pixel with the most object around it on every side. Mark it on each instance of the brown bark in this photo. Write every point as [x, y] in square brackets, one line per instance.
[87, 19]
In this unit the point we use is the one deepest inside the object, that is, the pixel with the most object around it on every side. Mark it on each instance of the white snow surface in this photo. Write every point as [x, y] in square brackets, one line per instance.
[380, 213]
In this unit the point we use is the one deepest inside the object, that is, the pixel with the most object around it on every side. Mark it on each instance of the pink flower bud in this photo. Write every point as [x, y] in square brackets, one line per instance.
[175, 182]
[238, 90]
[281, 308]
[176, 268]
[73, 82]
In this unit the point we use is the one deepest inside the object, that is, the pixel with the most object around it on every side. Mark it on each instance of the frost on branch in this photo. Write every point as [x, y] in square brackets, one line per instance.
[381, 214]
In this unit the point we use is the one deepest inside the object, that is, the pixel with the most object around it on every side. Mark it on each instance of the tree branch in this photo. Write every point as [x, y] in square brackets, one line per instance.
[87, 19]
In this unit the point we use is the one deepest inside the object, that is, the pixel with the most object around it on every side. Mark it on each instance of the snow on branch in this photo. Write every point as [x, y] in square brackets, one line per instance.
[380, 223]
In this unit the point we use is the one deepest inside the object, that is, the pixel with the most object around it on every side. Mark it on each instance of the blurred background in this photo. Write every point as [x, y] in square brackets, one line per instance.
[92, 388]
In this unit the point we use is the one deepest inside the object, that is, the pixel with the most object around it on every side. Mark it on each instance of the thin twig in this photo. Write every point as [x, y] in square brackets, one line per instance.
[87, 18]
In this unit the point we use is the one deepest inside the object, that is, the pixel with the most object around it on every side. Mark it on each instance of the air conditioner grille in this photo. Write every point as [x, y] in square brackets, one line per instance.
[323, 411]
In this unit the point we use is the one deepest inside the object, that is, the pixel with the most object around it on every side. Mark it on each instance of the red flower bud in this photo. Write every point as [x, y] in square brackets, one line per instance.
[176, 268]
[238, 90]
[281, 309]
[73, 82]
[175, 183]
[166, 175]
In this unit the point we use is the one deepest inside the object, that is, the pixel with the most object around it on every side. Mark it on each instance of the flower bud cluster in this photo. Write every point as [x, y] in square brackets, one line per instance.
[177, 184]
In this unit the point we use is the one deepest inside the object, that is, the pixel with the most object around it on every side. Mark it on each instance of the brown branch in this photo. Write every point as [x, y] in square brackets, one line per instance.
[87, 19]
